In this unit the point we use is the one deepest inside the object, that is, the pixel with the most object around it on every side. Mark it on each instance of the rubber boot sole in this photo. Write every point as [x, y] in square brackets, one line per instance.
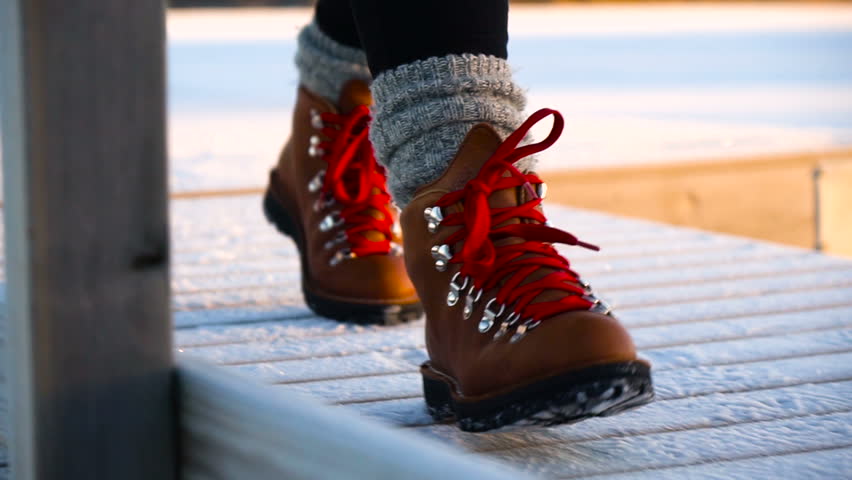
[597, 391]
[358, 313]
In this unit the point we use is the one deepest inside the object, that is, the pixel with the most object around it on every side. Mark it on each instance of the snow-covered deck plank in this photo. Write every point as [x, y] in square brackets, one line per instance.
[687, 350]
[751, 345]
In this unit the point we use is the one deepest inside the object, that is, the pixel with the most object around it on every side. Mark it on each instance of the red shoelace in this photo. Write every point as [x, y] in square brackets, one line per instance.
[507, 265]
[356, 182]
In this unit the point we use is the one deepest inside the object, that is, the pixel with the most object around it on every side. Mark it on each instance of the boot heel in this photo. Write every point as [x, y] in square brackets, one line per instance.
[438, 399]
[276, 215]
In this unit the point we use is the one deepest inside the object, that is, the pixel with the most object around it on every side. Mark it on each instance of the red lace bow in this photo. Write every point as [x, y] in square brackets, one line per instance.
[508, 265]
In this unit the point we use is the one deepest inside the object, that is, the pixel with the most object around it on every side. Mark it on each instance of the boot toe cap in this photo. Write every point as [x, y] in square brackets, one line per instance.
[559, 345]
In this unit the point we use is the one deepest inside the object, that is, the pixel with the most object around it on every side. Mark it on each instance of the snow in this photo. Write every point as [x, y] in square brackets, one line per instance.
[642, 84]
[742, 440]
[712, 410]
[808, 465]
[751, 345]
[261, 24]
[687, 371]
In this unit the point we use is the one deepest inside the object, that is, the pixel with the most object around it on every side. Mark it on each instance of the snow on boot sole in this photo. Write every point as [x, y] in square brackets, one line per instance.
[597, 391]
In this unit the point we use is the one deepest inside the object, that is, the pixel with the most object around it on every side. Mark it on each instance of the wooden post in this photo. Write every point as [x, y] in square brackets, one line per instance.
[89, 336]
[834, 192]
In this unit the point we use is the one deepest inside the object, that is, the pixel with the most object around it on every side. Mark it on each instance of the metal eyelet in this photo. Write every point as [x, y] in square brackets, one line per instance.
[488, 316]
[395, 250]
[330, 221]
[470, 301]
[315, 140]
[340, 256]
[442, 255]
[316, 120]
[504, 327]
[598, 305]
[320, 204]
[455, 289]
[314, 151]
[434, 216]
[602, 307]
[537, 191]
[316, 183]
[523, 329]
[337, 240]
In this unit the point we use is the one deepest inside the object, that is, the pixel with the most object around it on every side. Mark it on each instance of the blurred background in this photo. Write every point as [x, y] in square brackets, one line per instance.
[734, 117]
[238, 3]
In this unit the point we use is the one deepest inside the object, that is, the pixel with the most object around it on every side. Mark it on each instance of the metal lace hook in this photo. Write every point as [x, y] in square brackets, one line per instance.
[488, 316]
[455, 289]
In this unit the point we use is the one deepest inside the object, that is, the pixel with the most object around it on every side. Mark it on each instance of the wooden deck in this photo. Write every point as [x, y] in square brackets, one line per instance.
[751, 344]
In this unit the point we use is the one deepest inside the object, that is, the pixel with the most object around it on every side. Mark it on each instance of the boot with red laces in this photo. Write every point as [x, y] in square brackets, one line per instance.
[514, 335]
[329, 194]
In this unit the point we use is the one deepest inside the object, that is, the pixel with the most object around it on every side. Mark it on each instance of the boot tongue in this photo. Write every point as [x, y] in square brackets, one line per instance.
[477, 148]
[354, 93]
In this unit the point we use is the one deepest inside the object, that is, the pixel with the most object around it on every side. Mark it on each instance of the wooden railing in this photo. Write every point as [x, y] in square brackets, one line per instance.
[234, 429]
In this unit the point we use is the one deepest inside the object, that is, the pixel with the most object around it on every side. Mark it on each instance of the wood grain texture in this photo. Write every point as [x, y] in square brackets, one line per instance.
[15, 241]
[835, 205]
[233, 429]
[87, 233]
[748, 340]
[751, 345]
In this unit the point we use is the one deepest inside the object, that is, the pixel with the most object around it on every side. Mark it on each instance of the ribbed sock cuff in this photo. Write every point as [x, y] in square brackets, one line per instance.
[423, 110]
[326, 65]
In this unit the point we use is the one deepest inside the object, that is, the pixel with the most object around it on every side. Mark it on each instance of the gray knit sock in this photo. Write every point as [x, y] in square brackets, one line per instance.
[326, 65]
[423, 110]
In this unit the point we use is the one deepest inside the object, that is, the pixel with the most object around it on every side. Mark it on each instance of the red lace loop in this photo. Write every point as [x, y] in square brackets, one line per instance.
[509, 265]
[356, 182]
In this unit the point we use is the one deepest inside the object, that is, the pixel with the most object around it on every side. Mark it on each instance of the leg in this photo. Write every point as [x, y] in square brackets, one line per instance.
[396, 33]
[440, 68]
[329, 53]
[514, 335]
[334, 18]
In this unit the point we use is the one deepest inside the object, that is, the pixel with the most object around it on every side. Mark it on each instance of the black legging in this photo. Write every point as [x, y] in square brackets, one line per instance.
[394, 32]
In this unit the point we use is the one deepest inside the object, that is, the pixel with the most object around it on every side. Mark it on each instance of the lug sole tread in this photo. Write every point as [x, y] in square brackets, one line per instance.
[598, 391]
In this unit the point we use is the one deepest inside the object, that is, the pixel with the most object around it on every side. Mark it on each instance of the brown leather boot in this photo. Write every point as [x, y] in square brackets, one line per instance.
[329, 195]
[514, 336]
